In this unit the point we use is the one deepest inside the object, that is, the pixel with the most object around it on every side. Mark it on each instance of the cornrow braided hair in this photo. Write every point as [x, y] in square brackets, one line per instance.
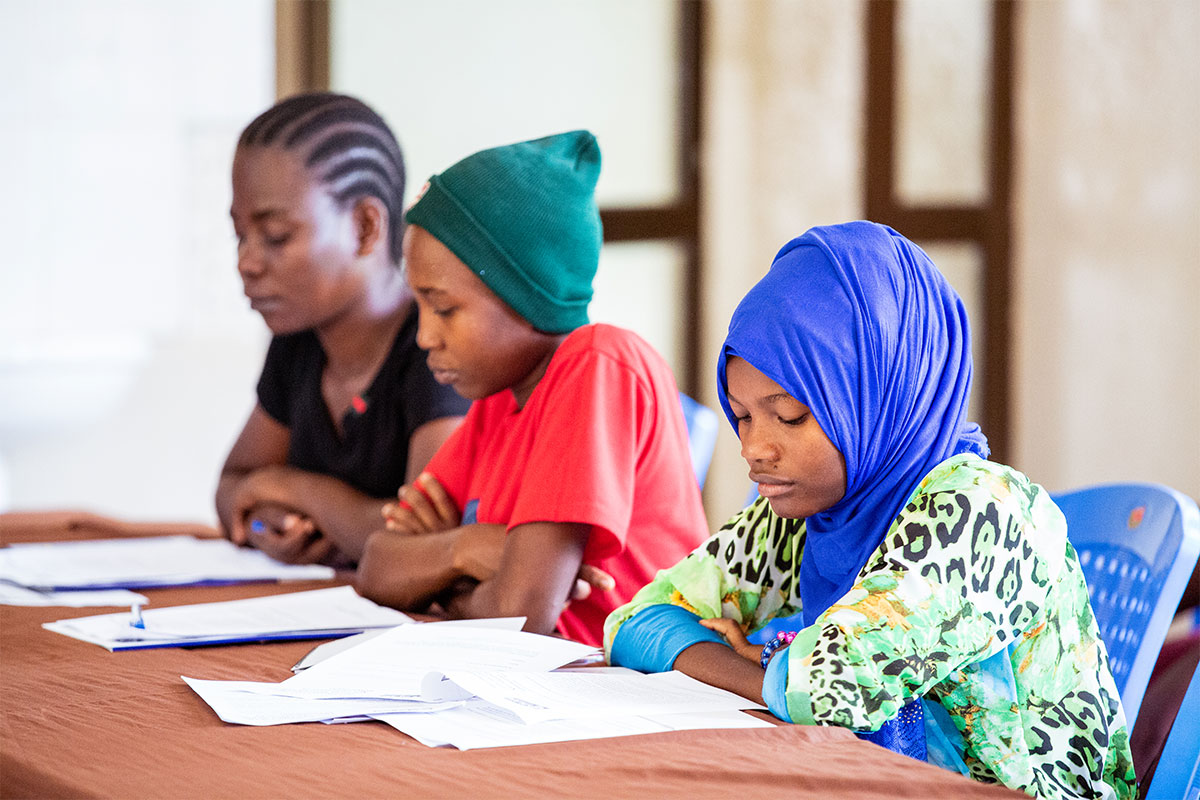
[348, 146]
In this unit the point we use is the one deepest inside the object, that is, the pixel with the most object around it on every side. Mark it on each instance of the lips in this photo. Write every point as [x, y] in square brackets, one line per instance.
[443, 375]
[264, 304]
[771, 486]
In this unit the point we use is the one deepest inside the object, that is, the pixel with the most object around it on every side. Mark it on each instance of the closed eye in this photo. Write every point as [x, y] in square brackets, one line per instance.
[797, 421]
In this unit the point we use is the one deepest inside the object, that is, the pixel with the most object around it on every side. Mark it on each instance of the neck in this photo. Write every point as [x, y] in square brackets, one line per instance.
[524, 389]
[359, 338]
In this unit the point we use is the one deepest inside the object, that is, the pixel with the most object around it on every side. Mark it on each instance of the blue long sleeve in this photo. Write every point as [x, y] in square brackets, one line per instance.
[653, 638]
[775, 685]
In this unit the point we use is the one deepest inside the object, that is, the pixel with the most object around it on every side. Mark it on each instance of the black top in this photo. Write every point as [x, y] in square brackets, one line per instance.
[372, 453]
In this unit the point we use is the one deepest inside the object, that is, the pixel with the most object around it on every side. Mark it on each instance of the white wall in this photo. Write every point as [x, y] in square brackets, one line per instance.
[127, 353]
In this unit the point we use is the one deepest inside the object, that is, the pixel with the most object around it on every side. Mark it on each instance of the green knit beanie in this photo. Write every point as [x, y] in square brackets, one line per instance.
[523, 217]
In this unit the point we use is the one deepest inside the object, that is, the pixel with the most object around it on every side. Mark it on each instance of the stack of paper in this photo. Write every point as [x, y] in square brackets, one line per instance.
[468, 687]
[299, 615]
[144, 563]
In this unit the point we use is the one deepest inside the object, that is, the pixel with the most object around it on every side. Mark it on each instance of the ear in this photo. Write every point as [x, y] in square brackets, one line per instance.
[370, 225]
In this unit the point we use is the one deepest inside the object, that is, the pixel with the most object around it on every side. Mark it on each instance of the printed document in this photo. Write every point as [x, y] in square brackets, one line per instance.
[336, 611]
[140, 563]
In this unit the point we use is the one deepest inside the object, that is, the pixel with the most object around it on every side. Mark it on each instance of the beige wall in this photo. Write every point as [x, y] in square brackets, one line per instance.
[1107, 290]
[1108, 243]
[783, 132]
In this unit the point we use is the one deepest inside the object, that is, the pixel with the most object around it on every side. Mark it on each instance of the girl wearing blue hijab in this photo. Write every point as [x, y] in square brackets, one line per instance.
[928, 598]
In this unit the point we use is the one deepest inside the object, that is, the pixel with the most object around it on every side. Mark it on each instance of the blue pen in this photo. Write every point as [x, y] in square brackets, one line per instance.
[135, 617]
[257, 526]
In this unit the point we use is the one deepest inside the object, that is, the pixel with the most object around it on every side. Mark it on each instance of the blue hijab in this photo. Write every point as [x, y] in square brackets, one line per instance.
[856, 323]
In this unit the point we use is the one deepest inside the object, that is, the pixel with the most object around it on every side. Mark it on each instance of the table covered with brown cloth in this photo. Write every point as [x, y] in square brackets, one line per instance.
[78, 721]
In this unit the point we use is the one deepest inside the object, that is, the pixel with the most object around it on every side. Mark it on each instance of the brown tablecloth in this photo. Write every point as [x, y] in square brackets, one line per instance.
[78, 721]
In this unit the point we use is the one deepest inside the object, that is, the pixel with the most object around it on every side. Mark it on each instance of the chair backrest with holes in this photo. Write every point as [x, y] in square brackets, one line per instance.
[1137, 544]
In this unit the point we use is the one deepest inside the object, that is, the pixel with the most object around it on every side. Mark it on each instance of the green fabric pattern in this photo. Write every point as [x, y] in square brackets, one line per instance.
[974, 601]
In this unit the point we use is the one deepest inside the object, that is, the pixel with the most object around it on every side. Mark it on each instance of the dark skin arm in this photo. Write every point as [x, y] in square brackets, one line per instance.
[719, 666]
[478, 570]
[736, 668]
[537, 572]
[410, 572]
[256, 478]
[424, 507]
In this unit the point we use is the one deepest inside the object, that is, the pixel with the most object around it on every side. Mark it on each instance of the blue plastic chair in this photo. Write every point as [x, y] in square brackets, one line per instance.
[1137, 544]
[1177, 776]
[703, 425]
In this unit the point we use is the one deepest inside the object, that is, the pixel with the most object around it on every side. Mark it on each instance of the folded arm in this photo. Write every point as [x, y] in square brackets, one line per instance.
[478, 570]
[537, 571]
[256, 477]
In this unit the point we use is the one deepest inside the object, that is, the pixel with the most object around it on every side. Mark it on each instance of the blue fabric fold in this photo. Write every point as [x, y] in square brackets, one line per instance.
[903, 733]
[653, 638]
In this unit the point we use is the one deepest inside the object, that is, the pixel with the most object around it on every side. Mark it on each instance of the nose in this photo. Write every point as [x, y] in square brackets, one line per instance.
[427, 336]
[250, 261]
[757, 446]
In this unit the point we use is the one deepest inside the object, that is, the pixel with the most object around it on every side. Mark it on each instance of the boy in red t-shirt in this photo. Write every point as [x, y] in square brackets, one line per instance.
[573, 457]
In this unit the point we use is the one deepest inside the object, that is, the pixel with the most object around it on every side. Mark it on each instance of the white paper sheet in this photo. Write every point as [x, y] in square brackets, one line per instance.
[144, 562]
[253, 703]
[478, 724]
[382, 678]
[395, 663]
[582, 694]
[324, 651]
[321, 612]
[13, 595]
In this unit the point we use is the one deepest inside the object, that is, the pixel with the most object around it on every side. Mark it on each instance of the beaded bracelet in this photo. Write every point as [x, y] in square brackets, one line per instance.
[780, 640]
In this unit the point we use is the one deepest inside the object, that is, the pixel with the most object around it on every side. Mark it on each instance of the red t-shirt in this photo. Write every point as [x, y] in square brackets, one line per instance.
[602, 442]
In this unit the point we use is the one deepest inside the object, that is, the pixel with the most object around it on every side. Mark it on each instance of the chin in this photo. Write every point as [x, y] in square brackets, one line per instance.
[281, 325]
[789, 508]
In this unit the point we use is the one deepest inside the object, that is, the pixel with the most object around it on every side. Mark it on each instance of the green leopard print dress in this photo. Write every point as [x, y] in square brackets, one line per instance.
[974, 602]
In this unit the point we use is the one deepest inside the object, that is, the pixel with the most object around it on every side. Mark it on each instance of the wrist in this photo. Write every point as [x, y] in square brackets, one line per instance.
[781, 641]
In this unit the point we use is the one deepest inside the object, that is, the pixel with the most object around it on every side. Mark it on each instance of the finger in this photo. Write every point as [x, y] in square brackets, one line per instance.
[596, 578]
[419, 507]
[317, 549]
[290, 545]
[726, 627]
[261, 538]
[237, 533]
[580, 590]
[446, 510]
[298, 524]
[396, 516]
[402, 522]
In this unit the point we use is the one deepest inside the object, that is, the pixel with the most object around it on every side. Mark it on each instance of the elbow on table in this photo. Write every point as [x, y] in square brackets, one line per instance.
[378, 577]
[540, 612]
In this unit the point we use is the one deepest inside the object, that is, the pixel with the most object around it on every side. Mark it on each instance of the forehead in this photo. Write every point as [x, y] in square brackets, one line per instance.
[269, 175]
[748, 385]
[432, 267]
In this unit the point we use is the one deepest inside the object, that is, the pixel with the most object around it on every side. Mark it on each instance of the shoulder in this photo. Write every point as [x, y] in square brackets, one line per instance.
[969, 476]
[988, 504]
[292, 359]
[610, 341]
[599, 347]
